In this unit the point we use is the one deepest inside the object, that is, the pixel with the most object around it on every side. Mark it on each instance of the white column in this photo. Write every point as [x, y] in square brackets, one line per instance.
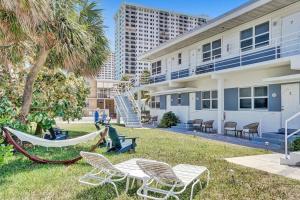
[220, 105]
[139, 96]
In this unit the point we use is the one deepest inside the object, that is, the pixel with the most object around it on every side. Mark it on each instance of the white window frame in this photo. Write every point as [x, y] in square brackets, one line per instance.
[210, 99]
[179, 99]
[156, 67]
[156, 101]
[253, 97]
[253, 37]
[211, 50]
[179, 58]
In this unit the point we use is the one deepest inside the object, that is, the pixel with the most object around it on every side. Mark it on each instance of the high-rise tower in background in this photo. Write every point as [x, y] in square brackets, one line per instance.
[139, 29]
[107, 72]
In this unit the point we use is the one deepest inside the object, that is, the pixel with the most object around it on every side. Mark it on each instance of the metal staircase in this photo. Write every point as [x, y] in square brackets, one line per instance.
[127, 108]
[291, 158]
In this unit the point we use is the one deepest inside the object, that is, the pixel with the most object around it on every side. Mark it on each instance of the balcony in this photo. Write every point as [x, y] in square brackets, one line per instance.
[277, 48]
[157, 79]
[180, 74]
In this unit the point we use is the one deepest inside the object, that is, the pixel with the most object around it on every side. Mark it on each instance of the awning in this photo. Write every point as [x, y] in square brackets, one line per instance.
[283, 79]
[175, 91]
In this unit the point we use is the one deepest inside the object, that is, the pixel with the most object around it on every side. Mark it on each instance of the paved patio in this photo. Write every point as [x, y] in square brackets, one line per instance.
[268, 163]
[229, 139]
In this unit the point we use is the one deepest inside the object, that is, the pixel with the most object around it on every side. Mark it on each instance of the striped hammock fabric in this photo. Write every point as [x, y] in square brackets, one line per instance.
[24, 137]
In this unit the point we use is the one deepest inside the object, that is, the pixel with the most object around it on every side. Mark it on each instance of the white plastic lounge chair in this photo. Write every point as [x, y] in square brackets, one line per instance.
[104, 171]
[177, 179]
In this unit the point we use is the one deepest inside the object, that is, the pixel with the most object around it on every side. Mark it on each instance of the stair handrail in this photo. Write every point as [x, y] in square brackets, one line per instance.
[136, 105]
[125, 109]
[287, 136]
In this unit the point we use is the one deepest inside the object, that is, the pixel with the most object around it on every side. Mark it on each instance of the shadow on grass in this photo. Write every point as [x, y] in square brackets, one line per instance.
[19, 165]
[104, 192]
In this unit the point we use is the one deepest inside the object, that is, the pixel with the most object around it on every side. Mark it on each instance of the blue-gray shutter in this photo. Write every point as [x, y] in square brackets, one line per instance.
[163, 102]
[185, 99]
[174, 98]
[231, 99]
[198, 100]
[275, 102]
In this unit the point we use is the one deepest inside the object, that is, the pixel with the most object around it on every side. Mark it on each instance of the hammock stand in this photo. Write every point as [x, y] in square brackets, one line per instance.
[10, 140]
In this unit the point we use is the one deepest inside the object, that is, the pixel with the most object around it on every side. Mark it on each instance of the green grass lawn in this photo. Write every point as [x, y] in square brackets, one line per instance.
[22, 179]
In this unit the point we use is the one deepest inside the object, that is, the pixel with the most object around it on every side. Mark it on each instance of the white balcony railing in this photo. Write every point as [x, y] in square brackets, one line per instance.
[273, 49]
[287, 136]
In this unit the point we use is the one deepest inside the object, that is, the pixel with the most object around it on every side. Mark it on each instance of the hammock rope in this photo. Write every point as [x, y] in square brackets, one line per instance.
[7, 135]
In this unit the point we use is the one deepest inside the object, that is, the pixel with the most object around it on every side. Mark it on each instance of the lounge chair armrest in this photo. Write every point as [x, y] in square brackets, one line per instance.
[131, 138]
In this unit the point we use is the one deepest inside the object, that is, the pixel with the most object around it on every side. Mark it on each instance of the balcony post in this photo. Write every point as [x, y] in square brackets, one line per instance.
[220, 105]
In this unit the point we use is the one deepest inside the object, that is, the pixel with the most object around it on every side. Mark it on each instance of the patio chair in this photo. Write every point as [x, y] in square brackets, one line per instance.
[154, 120]
[104, 171]
[251, 129]
[177, 179]
[208, 125]
[120, 144]
[230, 127]
[197, 124]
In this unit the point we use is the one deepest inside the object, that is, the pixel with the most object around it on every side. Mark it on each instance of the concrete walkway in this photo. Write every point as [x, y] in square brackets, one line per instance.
[268, 163]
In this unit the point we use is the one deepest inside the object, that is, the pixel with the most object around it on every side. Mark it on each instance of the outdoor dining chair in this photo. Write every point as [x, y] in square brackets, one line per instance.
[251, 129]
[208, 126]
[197, 124]
[177, 179]
[230, 127]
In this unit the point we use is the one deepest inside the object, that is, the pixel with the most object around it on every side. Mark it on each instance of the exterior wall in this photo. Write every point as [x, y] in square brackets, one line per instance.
[270, 120]
[230, 42]
[252, 75]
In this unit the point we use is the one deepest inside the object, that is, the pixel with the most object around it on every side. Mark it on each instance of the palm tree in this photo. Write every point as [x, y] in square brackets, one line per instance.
[51, 33]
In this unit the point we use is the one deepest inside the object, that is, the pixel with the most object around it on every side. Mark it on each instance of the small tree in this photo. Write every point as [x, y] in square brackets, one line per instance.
[145, 77]
[168, 120]
[55, 94]
[126, 78]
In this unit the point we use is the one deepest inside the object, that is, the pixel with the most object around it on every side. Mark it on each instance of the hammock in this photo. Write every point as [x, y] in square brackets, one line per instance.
[42, 142]
[24, 137]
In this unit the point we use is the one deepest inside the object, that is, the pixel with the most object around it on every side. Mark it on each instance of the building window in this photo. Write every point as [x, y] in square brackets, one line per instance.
[212, 50]
[179, 59]
[253, 98]
[245, 98]
[262, 35]
[255, 37]
[155, 102]
[156, 68]
[179, 99]
[261, 97]
[210, 99]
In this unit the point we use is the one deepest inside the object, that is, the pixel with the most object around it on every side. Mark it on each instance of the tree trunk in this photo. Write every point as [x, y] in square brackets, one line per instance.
[31, 77]
[39, 129]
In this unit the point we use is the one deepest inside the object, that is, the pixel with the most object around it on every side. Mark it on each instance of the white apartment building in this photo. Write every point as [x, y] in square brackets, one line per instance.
[107, 72]
[139, 29]
[243, 67]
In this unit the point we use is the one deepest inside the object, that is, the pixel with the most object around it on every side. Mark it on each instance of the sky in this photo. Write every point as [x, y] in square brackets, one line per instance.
[212, 8]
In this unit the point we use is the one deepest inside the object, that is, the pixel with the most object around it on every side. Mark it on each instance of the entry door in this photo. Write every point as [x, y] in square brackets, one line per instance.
[193, 58]
[290, 97]
[291, 35]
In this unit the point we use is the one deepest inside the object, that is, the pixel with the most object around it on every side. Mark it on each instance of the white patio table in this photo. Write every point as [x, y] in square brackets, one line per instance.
[133, 171]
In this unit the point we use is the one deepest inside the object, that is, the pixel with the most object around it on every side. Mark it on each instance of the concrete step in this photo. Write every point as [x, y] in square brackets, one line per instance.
[293, 159]
[282, 131]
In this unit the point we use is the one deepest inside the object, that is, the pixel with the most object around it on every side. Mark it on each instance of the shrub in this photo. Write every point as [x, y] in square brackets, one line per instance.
[295, 146]
[169, 119]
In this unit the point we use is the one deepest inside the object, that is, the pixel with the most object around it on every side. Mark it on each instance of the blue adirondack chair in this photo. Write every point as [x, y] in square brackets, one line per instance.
[120, 144]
